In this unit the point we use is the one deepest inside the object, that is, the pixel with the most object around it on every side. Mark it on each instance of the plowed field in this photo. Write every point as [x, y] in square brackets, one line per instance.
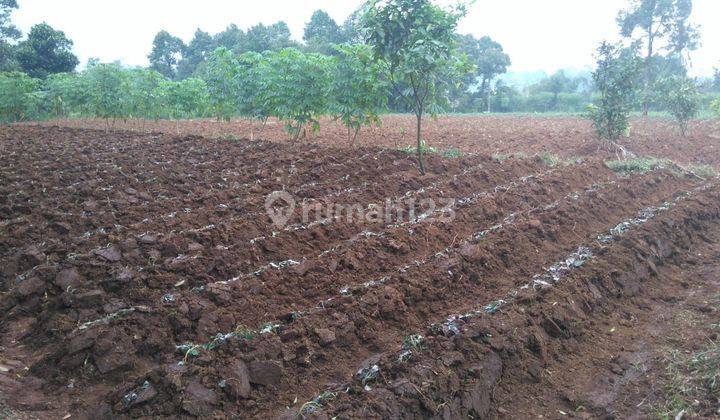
[143, 277]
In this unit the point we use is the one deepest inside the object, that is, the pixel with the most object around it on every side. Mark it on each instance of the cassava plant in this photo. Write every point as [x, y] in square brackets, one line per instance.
[296, 87]
[359, 89]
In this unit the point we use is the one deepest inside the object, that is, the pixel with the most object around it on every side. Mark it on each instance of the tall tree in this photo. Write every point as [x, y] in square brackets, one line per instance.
[231, 38]
[166, 54]
[417, 39]
[46, 51]
[261, 38]
[716, 80]
[350, 29]
[489, 59]
[663, 26]
[8, 31]
[195, 54]
[321, 32]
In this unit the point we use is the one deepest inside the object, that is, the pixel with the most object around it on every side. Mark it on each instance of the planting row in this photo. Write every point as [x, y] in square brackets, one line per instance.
[326, 344]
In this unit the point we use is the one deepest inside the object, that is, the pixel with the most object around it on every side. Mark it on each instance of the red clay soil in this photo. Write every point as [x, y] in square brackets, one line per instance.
[142, 277]
[562, 136]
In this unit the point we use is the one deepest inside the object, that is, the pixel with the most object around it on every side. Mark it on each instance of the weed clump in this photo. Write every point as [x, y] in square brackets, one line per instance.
[636, 166]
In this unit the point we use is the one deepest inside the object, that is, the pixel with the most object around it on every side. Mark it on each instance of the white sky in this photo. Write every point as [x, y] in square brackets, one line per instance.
[537, 34]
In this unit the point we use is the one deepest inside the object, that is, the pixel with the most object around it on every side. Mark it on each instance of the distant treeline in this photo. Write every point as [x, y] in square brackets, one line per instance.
[38, 77]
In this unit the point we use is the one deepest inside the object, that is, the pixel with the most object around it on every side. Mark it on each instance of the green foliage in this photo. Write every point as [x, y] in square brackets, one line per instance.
[65, 93]
[108, 94]
[252, 99]
[144, 95]
[636, 166]
[195, 54]
[261, 38]
[184, 99]
[17, 99]
[615, 78]
[715, 107]
[424, 149]
[321, 33]
[295, 87]
[680, 96]
[490, 61]
[358, 89]
[704, 171]
[8, 32]
[7, 29]
[660, 22]
[222, 77]
[660, 19]
[549, 159]
[45, 52]
[417, 39]
[166, 54]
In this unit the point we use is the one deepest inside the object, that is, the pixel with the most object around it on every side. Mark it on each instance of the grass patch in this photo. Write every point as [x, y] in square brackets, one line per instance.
[636, 166]
[451, 153]
[411, 150]
[499, 157]
[574, 160]
[692, 378]
[549, 160]
[703, 171]
[427, 150]
[643, 165]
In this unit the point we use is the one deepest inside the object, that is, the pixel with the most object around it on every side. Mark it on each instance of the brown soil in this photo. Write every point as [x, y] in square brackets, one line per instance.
[563, 136]
[141, 277]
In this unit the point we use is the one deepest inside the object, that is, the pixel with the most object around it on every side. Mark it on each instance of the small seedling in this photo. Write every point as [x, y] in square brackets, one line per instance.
[413, 342]
[549, 160]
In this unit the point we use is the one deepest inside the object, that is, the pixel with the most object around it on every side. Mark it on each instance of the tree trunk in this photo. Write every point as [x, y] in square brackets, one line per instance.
[419, 143]
[648, 74]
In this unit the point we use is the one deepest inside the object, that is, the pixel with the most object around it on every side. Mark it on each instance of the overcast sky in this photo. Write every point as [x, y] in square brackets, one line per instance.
[537, 34]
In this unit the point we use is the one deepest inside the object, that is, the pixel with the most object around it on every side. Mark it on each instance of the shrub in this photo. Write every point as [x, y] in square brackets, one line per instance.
[222, 78]
[184, 99]
[295, 86]
[615, 78]
[66, 93]
[17, 98]
[715, 107]
[358, 90]
[635, 166]
[681, 98]
[108, 91]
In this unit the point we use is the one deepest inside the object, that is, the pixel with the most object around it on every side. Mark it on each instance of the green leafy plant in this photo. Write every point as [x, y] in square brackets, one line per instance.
[715, 107]
[635, 166]
[549, 160]
[418, 41]
[359, 88]
[66, 93]
[108, 92]
[615, 78]
[681, 98]
[295, 86]
[222, 78]
[144, 93]
[253, 100]
[17, 100]
[183, 99]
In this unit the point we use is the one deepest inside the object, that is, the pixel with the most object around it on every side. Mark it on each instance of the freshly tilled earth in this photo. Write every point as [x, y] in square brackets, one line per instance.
[141, 275]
